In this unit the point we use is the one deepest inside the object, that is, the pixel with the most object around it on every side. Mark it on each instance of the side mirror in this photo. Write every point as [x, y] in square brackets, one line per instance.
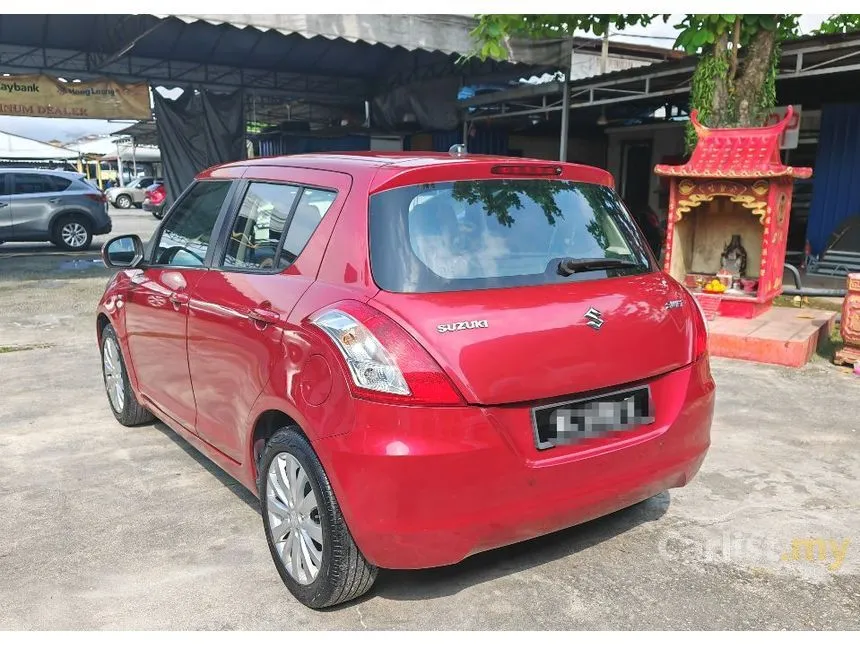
[123, 252]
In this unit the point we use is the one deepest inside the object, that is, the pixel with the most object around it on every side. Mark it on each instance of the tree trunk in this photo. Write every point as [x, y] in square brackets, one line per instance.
[749, 86]
[720, 105]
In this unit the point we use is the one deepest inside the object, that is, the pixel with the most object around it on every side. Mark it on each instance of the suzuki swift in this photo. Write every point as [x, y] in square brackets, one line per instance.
[409, 358]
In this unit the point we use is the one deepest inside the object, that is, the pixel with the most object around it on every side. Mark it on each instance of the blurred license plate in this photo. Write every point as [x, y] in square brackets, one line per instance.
[575, 421]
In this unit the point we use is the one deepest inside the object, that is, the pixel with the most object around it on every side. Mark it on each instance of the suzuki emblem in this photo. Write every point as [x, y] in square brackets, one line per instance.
[594, 318]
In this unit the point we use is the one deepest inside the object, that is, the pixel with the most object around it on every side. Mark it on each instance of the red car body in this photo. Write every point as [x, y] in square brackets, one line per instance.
[153, 200]
[454, 469]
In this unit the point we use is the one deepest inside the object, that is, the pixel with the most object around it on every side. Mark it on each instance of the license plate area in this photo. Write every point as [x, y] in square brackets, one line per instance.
[596, 417]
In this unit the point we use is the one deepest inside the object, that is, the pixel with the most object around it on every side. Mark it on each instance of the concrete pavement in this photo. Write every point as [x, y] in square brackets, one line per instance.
[106, 527]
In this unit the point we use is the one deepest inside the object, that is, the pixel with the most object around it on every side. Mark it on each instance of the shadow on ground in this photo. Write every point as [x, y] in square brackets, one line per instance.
[447, 581]
[440, 582]
[211, 467]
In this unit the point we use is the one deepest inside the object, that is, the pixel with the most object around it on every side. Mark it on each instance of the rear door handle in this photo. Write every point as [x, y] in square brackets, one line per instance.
[264, 316]
[55, 200]
[3, 204]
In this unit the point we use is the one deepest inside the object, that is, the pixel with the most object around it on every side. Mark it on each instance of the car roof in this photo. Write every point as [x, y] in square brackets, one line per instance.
[385, 167]
[70, 174]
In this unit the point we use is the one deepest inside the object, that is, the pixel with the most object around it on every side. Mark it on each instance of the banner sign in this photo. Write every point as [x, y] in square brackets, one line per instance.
[40, 95]
[791, 135]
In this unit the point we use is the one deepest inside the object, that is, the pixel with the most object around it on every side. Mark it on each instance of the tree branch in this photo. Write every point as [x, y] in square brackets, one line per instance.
[736, 43]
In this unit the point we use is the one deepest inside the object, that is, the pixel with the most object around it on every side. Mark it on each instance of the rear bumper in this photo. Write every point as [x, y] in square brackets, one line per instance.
[103, 228]
[149, 207]
[424, 487]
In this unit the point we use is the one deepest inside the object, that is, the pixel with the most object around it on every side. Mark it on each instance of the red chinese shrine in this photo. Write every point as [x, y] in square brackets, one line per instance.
[729, 208]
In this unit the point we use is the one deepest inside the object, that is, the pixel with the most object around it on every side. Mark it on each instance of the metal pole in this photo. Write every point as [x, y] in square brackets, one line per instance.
[465, 133]
[133, 157]
[119, 177]
[565, 118]
[565, 106]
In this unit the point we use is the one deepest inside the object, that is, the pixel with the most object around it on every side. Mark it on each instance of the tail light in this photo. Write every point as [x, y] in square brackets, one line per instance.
[384, 362]
[100, 198]
[700, 330]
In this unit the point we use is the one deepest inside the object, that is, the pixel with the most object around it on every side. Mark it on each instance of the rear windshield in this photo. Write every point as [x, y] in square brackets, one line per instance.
[486, 234]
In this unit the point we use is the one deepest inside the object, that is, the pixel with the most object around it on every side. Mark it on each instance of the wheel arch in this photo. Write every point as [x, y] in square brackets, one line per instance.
[267, 424]
[69, 212]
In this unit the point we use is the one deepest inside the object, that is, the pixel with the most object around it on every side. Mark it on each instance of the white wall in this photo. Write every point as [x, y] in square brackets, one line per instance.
[586, 151]
[666, 139]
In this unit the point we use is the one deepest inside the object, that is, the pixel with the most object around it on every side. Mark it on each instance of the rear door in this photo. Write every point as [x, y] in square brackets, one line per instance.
[473, 269]
[35, 197]
[269, 254]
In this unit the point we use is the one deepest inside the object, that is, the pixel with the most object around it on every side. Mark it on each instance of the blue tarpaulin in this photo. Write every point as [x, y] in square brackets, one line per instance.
[836, 182]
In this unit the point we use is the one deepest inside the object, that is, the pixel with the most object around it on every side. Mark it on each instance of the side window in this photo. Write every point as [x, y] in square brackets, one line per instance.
[313, 205]
[28, 184]
[188, 230]
[259, 226]
[144, 183]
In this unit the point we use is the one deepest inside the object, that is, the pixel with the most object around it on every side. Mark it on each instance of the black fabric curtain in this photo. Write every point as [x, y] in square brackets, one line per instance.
[197, 131]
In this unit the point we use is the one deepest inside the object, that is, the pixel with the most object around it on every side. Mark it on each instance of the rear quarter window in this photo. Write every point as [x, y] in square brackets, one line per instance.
[497, 233]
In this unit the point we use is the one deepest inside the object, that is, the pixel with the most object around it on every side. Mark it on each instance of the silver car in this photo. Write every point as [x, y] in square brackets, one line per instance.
[132, 194]
[51, 206]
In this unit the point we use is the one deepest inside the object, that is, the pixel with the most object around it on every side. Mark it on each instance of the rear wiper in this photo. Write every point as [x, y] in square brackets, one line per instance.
[569, 266]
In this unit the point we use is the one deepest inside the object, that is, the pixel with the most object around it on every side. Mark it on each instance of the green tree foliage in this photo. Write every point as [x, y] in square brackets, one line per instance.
[734, 83]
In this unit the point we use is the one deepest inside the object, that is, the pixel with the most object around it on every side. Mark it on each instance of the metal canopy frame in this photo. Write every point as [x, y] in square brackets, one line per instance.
[656, 85]
[296, 58]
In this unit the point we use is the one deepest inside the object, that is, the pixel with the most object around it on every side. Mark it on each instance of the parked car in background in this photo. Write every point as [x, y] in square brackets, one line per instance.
[409, 359]
[51, 206]
[132, 194]
[154, 198]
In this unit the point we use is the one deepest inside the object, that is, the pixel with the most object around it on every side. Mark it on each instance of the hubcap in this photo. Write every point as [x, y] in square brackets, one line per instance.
[114, 382]
[74, 234]
[124, 202]
[294, 518]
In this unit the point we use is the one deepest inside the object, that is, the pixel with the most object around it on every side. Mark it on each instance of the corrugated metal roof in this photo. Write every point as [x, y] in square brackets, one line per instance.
[448, 34]
[13, 146]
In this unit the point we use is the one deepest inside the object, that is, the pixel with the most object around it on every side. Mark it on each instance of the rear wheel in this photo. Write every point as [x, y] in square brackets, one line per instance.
[158, 214]
[73, 233]
[123, 201]
[310, 543]
[121, 398]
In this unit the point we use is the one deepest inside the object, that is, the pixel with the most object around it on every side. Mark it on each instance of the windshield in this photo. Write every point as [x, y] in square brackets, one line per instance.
[499, 233]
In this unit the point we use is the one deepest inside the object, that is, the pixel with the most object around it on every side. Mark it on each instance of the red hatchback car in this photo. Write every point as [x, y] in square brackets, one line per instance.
[409, 358]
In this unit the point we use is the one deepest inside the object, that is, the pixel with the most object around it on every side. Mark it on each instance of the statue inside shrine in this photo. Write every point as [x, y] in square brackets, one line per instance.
[734, 258]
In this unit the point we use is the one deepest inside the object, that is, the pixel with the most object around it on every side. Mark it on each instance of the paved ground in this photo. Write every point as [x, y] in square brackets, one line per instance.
[109, 528]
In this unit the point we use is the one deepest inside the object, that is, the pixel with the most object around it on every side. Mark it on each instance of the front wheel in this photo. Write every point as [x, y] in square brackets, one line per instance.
[308, 539]
[121, 398]
[123, 201]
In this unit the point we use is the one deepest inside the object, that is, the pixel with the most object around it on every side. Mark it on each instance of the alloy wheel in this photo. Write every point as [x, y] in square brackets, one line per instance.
[114, 381]
[294, 518]
[73, 234]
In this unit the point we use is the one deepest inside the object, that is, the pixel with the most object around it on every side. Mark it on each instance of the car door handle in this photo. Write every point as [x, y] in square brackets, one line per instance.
[3, 204]
[54, 200]
[179, 298]
[264, 316]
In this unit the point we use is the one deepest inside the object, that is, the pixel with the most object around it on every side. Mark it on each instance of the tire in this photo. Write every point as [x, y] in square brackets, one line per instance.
[124, 202]
[123, 403]
[343, 573]
[73, 233]
[158, 214]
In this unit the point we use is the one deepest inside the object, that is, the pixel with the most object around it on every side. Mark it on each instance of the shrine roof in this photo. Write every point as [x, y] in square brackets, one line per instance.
[736, 153]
